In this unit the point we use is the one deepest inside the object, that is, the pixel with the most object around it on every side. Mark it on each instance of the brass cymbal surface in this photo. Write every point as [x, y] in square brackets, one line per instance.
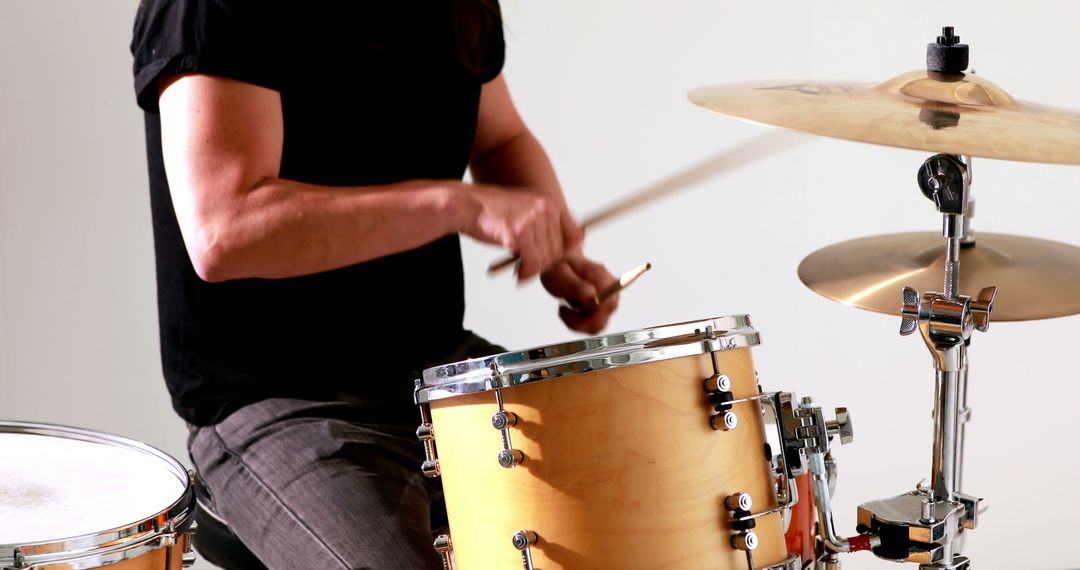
[1036, 278]
[960, 114]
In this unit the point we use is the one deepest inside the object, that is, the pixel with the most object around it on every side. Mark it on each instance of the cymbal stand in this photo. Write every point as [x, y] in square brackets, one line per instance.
[924, 525]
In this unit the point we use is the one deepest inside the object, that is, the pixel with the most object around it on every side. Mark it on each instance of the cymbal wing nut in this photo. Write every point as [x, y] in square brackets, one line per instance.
[909, 312]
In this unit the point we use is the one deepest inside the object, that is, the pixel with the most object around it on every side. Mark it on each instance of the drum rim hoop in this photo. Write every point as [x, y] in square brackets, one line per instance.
[115, 544]
[589, 354]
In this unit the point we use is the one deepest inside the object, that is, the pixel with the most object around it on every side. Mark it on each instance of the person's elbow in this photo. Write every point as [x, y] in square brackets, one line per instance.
[212, 219]
[212, 253]
[212, 231]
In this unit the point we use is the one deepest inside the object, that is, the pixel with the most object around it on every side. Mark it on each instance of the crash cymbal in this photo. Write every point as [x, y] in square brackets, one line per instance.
[943, 113]
[1036, 279]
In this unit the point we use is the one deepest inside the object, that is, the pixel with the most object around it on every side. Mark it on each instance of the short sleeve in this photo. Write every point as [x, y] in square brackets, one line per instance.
[494, 47]
[227, 38]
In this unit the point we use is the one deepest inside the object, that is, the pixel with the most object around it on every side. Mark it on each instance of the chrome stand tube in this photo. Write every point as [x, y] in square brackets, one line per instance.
[943, 476]
[969, 211]
[961, 422]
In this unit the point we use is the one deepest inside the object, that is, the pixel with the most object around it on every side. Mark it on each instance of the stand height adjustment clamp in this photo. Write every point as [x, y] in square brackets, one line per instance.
[950, 320]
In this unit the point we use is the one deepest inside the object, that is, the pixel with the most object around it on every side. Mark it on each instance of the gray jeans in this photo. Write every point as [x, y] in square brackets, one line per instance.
[308, 484]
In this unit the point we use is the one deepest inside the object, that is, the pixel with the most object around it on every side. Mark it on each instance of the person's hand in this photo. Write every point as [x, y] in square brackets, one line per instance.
[578, 280]
[535, 226]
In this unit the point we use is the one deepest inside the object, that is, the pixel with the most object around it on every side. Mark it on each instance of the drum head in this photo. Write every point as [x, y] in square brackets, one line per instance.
[70, 489]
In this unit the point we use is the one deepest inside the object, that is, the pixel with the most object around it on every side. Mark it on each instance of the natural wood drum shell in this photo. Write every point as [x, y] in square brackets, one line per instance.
[621, 470]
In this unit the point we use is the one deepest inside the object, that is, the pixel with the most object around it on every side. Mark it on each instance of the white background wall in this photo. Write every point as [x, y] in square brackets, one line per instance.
[602, 83]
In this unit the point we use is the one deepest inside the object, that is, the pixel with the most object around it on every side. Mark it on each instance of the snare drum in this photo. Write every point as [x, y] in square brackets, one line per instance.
[643, 449]
[73, 498]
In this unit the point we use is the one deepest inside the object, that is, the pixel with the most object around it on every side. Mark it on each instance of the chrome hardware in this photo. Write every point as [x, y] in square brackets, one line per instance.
[802, 431]
[969, 210]
[726, 421]
[18, 559]
[946, 325]
[973, 507]
[922, 529]
[510, 457]
[943, 179]
[187, 556]
[793, 562]
[430, 468]
[743, 523]
[523, 540]
[444, 547]
[909, 313]
[924, 526]
[927, 511]
[745, 541]
[426, 434]
[718, 391]
[502, 421]
[841, 426]
[806, 430]
[981, 307]
[806, 436]
[819, 479]
[831, 473]
[787, 494]
[958, 563]
[717, 382]
[606, 352]
[739, 501]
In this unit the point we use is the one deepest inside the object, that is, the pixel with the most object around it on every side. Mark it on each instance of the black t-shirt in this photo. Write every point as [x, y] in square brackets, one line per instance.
[371, 93]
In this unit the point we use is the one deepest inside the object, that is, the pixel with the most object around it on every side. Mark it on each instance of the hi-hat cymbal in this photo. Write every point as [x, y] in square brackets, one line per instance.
[1036, 279]
[948, 113]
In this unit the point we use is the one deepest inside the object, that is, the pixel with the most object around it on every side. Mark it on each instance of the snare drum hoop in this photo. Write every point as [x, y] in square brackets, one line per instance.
[606, 352]
[125, 542]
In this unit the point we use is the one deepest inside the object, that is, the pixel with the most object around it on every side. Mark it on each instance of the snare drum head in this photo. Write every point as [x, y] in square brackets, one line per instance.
[60, 483]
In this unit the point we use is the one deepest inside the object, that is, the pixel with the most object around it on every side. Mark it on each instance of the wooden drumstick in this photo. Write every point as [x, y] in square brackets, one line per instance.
[624, 281]
[757, 148]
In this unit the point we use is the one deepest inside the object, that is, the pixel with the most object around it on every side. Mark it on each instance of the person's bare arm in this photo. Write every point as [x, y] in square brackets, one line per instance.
[505, 150]
[222, 143]
[506, 153]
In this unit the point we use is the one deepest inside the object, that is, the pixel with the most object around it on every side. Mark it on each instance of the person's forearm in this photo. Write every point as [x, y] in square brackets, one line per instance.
[281, 228]
[520, 162]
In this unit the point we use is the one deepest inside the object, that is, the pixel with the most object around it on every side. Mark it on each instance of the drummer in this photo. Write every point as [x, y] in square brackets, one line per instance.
[307, 198]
